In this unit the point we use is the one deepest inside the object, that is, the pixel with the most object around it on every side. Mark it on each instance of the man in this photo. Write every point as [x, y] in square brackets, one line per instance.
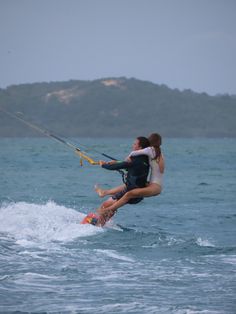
[137, 171]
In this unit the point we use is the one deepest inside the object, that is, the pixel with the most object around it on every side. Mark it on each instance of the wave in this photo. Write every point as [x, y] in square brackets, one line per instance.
[174, 243]
[204, 242]
[29, 222]
[115, 255]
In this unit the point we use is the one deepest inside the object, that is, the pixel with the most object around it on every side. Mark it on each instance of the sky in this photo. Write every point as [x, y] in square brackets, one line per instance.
[184, 44]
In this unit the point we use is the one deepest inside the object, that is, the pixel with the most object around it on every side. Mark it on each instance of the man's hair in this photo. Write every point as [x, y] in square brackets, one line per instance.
[143, 142]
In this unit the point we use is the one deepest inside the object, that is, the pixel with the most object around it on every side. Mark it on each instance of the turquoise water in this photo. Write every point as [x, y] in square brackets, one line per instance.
[175, 253]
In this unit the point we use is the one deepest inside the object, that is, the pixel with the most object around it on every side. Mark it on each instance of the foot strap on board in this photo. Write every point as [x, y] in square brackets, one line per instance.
[91, 218]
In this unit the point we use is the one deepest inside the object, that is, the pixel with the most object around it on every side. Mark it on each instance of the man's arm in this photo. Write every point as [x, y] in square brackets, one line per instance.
[117, 165]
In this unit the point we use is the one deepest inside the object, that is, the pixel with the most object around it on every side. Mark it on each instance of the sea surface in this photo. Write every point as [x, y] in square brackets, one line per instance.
[174, 253]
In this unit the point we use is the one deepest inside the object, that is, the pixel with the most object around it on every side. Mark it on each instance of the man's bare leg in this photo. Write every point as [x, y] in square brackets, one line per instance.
[102, 192]
[105, 215]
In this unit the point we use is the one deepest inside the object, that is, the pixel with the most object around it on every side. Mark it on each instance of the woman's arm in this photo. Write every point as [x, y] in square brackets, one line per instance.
[161, 164]
[148, 151]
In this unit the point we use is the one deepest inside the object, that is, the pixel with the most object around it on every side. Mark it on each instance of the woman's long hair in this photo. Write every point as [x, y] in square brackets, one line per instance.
[155, 141]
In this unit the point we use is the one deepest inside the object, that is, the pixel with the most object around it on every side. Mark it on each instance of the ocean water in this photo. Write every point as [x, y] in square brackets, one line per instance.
[174, 253]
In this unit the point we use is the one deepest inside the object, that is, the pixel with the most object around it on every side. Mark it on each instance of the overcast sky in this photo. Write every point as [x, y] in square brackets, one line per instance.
[185, 44]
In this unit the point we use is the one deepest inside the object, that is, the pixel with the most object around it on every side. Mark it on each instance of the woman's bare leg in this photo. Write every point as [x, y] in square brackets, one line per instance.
[151, 190]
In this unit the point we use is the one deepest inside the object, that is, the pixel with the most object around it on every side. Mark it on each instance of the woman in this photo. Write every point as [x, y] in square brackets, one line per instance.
[153, 188]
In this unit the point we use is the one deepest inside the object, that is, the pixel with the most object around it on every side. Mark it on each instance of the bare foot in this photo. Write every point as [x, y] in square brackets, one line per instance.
[101, 221]
[99, 191]
[105, 216]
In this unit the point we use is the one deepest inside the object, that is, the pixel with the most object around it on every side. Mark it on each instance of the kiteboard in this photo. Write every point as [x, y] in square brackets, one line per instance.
[91, 219]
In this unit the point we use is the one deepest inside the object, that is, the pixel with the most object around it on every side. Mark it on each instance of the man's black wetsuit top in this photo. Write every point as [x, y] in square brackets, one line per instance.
[136, 176]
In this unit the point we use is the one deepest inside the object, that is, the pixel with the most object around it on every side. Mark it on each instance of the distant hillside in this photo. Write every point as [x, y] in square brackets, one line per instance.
[117, 107]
